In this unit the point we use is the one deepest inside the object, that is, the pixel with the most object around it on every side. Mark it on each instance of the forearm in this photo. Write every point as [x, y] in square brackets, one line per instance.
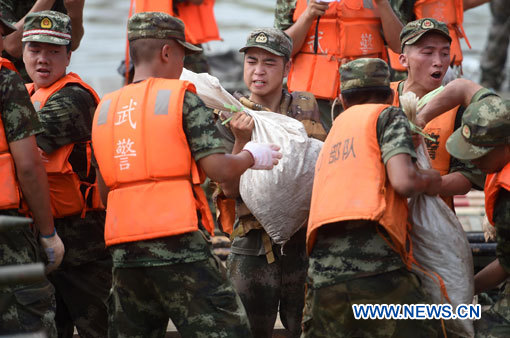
[34, 185]
[468, 4]
[77, 30]
[490, 277]
[231, 188]
[223, 168]
[457, 92]
[298, 32]
[454, 184]
[12, 42]
[391, 24]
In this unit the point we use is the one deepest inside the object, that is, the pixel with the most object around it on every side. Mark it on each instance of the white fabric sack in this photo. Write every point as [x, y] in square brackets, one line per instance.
[440, 245]
[278, 198]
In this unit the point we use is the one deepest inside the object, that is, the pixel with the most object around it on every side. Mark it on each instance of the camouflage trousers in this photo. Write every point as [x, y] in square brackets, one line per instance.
[328, 310]
[197, 297]
[495, 55]
[495, 322]
[264, 288]
[28, 309]
[81, 293]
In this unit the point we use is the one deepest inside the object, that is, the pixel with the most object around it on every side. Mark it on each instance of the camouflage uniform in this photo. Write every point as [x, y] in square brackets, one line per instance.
[175, 277]
[83, 280]
[495, 53]
[351, 263]
[15, 10]
[24, 307]
[270, 278]
[485, 126]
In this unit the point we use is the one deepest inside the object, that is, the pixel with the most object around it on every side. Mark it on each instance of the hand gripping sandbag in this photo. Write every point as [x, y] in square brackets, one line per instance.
[278, 198]
[440, 245]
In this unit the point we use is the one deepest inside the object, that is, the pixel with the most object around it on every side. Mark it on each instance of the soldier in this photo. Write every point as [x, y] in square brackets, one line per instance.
[451, 12]
[426, 56]
[15, 11]
[495, 53]
[327, 34]
[484, 139]
[154, 141]
[362, 258]
[24, 307]
[267, 278]
[65, 105]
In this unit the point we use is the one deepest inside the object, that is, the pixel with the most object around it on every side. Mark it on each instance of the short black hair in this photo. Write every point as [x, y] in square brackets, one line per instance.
[145, 49]
[354, 96]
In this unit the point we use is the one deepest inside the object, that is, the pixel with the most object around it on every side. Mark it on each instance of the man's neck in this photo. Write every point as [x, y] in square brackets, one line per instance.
[412, 86]
[271, 101]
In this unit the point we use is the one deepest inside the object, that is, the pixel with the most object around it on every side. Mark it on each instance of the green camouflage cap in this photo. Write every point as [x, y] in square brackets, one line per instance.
[8, 27]
[414, 30]
[363, 73]
[271, 39]
[47, 26]
[157, 25]
[485, 125]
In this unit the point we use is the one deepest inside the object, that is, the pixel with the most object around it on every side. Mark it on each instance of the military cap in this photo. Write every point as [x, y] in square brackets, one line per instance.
[157, 25]
[47, 26]
[363, 73]
[9, 27]
[485, 125]
[414, 30]
[273, 40]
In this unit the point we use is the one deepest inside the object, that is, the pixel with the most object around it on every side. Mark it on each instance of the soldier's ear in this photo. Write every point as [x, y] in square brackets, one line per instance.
[403, 60]
[286, 68]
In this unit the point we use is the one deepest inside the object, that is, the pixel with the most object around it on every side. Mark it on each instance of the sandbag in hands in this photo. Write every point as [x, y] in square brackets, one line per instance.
[265, 156]
[278, 198]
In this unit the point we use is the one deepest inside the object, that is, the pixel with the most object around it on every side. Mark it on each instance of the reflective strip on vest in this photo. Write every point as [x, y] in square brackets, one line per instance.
[153, 181]
[493, 184]
[350, 160]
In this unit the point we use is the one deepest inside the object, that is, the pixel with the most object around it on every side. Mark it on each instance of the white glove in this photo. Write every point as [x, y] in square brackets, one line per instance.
[54, 249]
[264, 155]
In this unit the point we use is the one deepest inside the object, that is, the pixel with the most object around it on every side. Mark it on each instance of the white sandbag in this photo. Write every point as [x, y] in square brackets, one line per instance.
[278, 198]
[440, 245]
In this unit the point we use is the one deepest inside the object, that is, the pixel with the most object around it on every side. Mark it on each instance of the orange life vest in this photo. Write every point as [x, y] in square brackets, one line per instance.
[9, 193]
[66, 197]
[347, 30]
[351, 151]
[154, 181]
[451, 12]
[440, 129]
[199, 22]
[493, 184]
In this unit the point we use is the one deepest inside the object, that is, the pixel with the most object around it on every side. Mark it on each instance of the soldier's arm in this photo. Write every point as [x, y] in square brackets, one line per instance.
[12, 42]
[75, 11]
[33, 182]
[299, 29]
[468, 4]
[457, 92]
[391, 24]
[454, 184]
